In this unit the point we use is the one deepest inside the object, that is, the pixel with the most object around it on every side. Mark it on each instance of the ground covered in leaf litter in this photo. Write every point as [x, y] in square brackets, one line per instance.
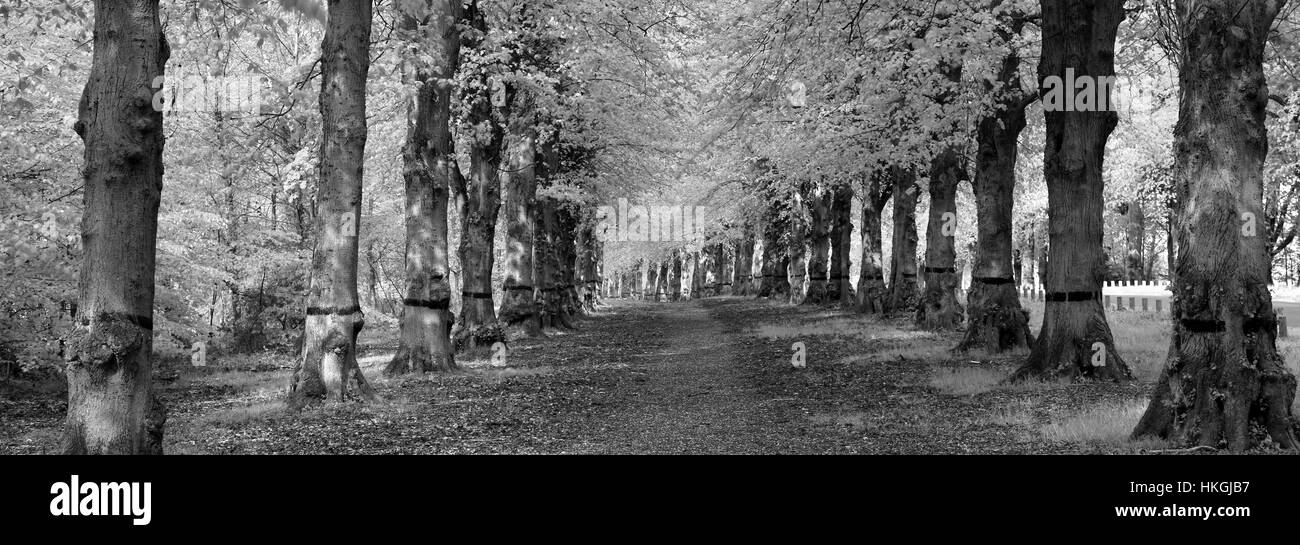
[708, 376]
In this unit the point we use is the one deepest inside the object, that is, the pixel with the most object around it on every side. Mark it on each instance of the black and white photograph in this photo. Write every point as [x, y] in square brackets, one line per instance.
[1052, 240]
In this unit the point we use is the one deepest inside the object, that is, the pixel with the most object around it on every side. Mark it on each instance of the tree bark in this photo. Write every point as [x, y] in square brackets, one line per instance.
[1075, 332]
[329, 359]
[938, 308]
[742, 281]
[902, 275]
[872, 293]
[1224, 382]
[839, 288]
[111, 404]
[429, 164]
[485, 140]
[995, 320]
[796, 247]
[819, 207]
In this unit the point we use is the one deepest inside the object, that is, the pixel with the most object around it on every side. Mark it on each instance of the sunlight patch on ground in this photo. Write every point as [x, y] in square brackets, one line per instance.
[863, 329]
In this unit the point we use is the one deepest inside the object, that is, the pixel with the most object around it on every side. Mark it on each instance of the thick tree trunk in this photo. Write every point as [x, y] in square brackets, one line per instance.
[429, 164]
[742, 280]
[996, 322]
[819, 207]
[1224, 382]
[872, 293]
[1075, 333]
[548, 270]
[675, 285]
[902, 275]
[776, 262]
[111, 404]
[796, 248]
[518, 305]
[839, 287]
[329, 359]
[938, 308]
[478, 320]
[697, 276]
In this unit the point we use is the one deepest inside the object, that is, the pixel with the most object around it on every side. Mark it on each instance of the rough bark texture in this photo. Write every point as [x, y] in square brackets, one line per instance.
[995, 320]
[902, 275]
[819, 208]
[111, 406]
[742, 281]
[938, 308]
[428, 164]
[872, 292]
[675, 285]
[796, 247]
[518, 305]
[485, 138]
[329, 359]
[1224, 382]
[548, 271]
[776, 262]
[1075, 331]
[839, 287]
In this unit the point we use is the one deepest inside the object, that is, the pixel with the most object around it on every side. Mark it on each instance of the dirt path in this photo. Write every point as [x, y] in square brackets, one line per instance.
[690, 392]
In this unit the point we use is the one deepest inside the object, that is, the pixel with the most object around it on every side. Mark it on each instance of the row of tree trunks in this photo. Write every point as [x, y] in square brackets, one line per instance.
[429, 165]
[334, 317]
[872, 293]
[518, 304]
[1224, 382]
[902, 282]
[1076, 339]
[995, 320]
[775, 282]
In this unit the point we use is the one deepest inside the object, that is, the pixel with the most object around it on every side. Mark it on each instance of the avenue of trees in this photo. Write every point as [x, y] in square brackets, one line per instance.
[448, 168]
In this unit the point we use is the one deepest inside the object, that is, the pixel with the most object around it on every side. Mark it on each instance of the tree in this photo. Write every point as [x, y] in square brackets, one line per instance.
[329, 358]
[938, 307]
[429, 164]
[902, 271]
[840, 288]
[111, 405]
[876, 190]
[1224, 376]
[482, 93]
[996, 322]
[1075, 340]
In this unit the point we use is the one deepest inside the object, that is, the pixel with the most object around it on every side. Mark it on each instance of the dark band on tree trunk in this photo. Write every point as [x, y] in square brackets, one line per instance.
[518, 287]
[1072, 296]
[993, 281]
[434, 304]
[476, 295]
[940, 270]
[908, 275]
[1203, 326]
[1251, 325]
[334, 311]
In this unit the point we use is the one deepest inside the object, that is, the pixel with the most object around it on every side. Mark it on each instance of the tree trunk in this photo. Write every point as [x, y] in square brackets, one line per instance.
[819, 207]
[111, 403]
[742, 280]
[902, 281]
[938, 308]
[675, 285]
[518, 305]
[429, 164]
[1075, 332]
[796, 248]
[334, 318]
[872, 293]
[1224, 382]
[996, 322]
[839, 287]
[482, 196]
